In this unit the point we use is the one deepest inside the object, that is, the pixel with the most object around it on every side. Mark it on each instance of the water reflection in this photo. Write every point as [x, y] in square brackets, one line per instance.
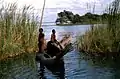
[22, 67]
[57, 69]
[75, 65]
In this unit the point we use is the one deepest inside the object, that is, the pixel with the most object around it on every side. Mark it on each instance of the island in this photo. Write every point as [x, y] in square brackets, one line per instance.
[69, 18]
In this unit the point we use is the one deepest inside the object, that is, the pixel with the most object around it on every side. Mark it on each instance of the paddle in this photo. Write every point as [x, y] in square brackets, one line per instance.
[67, 49]
[42, 13]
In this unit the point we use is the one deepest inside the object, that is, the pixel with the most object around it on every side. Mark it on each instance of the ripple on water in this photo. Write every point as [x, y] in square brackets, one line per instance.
[75, 66]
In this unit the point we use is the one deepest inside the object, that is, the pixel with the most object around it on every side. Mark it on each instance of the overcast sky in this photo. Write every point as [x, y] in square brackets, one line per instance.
[55, 6]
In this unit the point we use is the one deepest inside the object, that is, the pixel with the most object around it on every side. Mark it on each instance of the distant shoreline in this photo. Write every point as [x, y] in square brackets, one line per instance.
[74, 24]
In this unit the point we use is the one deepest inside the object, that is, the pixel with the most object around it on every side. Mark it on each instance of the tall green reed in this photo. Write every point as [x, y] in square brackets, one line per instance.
[106, 37]
[18, 30]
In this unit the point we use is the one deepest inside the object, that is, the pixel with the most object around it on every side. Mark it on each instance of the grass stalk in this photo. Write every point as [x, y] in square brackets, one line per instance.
[104, 39]
[18, 30]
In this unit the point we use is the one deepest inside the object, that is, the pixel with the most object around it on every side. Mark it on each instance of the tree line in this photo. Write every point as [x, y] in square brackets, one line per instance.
[71, 18]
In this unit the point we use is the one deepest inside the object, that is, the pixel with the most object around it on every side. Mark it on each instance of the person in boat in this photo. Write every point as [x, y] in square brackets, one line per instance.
[53, 34]
[53, 46]
[40, 38]
[53, 49]
[42, 50]
[49, 62]
[40, 54]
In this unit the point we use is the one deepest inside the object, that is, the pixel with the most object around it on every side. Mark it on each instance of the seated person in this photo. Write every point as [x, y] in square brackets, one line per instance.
[54, 47]
[41, 34]
[53, 34]
[40, 54]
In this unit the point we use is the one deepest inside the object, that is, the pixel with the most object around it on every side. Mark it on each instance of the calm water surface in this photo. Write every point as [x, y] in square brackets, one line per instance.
[76, 65]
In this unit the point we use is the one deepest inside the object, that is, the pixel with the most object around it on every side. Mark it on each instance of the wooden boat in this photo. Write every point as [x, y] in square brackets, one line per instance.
[48, 60]
[55, 65]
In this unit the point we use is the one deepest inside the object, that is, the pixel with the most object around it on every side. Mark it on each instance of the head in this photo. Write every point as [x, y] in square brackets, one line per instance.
[53, 31]
[40, 30]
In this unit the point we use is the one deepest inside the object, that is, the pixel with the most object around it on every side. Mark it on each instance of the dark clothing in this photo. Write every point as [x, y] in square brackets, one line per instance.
[52, 50]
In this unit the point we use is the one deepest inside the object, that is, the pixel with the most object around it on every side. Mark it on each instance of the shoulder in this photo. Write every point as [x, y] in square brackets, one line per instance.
[49, 41]
[41, 34]
[53, 35]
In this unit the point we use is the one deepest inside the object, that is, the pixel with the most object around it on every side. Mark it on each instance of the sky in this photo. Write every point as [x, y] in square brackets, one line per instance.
[55, 6]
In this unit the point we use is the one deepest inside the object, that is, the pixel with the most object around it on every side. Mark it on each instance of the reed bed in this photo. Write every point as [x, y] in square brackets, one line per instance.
[103, 40]
[18, 30]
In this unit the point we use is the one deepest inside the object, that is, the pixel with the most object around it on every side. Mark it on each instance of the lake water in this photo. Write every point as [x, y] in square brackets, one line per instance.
[77, 66]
